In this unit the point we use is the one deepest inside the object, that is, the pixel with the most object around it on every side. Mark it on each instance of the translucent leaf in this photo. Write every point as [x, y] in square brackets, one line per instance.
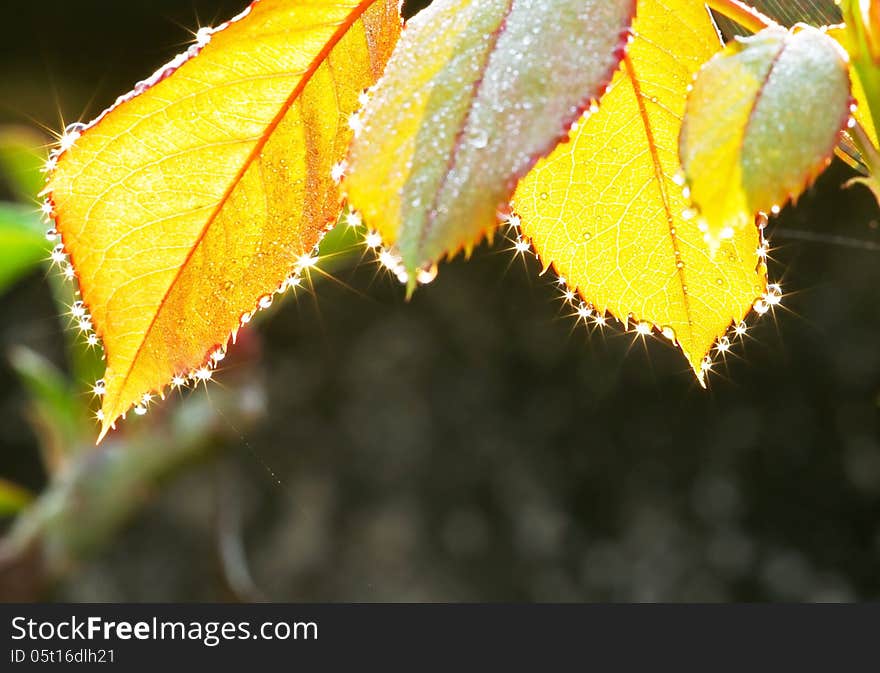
[187, 205]
[605, 210]
[474, 94]
[762, 121]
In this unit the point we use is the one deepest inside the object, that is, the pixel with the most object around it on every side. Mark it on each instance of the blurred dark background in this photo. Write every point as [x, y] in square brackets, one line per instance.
[473, 444]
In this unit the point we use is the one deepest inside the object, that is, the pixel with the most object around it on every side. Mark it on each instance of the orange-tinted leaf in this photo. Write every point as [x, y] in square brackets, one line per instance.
[605, 210]
[475, 92]
[193, 197]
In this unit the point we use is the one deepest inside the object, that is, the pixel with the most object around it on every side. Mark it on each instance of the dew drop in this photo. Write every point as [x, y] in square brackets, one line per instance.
[774, 295]
[140, 410]
[74, 127]
[58, 255]
[52, 234]
[587, 235]
[427, 275]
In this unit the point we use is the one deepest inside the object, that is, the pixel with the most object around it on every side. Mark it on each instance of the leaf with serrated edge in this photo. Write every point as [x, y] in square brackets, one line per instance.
[195, 195]
[817, 13]
[605, 210]
[474, 94]
[762, 122]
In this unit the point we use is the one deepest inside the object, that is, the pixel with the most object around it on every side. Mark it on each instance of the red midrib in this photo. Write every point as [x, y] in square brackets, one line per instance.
[322, 56]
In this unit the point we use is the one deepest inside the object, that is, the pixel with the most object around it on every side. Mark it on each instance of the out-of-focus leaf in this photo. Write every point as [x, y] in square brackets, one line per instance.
[605, 212]
[751, 139]
[23, 244]
[475, 93]
[13, 498]
[21, 161]
[100, 488]
[57, 412]
[188, 204]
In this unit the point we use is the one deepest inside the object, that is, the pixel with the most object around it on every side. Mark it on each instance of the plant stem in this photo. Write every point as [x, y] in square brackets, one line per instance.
[745, 15]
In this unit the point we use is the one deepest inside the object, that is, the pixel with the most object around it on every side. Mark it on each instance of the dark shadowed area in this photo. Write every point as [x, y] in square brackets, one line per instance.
[474, 444]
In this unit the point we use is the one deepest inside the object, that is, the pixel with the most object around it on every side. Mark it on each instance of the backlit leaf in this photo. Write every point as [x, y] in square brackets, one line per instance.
[605, 210]
[816, 13]
[762, 121]
[475, 93]
[193, 197]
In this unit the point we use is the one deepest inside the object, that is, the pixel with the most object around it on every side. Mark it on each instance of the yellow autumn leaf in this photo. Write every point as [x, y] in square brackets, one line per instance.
[188, 204]
[606, 211]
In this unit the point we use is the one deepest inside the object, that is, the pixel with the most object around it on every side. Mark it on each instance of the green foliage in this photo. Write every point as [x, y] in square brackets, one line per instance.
[23, 245]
